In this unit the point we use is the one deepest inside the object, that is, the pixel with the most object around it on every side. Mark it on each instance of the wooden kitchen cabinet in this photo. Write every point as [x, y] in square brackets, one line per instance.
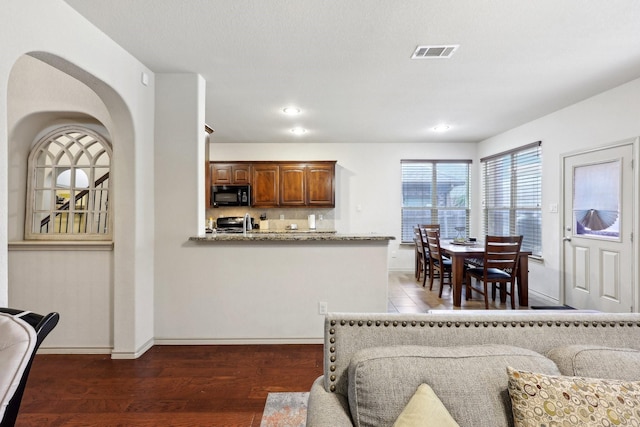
[230, 173]
[281, 183]
[321, 184]
[265, 185]
[307, 184]
[293, 188]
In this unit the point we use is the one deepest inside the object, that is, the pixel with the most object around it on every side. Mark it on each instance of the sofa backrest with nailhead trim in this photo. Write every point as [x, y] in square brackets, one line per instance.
[347, 333]
[540, 331]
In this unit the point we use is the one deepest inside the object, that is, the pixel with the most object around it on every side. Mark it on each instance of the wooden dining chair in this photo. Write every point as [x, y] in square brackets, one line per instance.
[500, 265]
[420, 266]
[425, 250]
[430, 226]
[437, 261]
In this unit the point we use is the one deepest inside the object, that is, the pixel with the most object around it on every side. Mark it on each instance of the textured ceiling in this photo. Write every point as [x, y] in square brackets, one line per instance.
[347, 64]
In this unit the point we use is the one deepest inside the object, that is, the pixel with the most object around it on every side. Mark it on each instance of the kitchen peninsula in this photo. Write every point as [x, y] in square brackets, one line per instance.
[274, 282]
[282, 283]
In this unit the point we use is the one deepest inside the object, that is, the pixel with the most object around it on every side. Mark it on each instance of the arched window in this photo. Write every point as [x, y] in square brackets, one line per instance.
[68, 186]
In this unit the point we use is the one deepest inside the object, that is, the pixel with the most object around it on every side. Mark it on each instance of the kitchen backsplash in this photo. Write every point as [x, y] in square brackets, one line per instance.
[281, 219]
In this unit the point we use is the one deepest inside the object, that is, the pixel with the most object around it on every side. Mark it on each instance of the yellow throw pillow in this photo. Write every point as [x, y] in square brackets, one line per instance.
[538, 400]
[425, 409]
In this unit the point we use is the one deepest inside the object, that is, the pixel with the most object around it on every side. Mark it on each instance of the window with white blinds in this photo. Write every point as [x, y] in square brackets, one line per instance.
[512, 184]
[435, 192]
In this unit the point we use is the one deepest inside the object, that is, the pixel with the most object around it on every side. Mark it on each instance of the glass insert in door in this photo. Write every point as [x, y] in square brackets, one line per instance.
[596, 199]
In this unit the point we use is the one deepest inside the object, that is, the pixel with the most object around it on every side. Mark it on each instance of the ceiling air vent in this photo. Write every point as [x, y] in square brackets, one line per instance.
[434, 52]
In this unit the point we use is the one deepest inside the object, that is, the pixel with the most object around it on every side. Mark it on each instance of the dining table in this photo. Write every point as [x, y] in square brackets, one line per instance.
[459, 253]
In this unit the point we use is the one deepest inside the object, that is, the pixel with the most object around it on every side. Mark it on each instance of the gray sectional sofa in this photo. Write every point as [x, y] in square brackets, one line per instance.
[373, 363]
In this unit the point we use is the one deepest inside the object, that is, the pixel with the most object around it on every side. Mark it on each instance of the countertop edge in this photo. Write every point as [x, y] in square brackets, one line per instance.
[287, 237]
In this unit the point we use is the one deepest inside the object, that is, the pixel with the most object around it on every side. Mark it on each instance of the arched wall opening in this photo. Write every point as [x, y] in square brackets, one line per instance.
[45, 91]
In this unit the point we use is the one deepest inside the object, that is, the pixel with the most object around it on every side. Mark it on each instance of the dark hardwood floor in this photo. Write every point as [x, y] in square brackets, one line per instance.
[168, 386]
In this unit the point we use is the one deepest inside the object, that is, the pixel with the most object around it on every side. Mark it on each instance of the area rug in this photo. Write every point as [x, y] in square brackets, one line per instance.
[285, 410]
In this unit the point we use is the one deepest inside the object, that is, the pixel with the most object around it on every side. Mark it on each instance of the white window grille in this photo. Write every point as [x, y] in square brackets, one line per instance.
[68, 189]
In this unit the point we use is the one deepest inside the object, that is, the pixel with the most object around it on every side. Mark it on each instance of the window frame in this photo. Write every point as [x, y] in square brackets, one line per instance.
[521, 181]
[41, 148]
[406, 230]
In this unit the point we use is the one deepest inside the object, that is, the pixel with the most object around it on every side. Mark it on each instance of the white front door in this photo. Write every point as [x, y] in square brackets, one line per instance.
[598, 251]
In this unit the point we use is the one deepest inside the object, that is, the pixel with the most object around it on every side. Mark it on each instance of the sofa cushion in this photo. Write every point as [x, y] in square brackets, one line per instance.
[470, 381]
[539, 400]
[425, 410]
[597, 361]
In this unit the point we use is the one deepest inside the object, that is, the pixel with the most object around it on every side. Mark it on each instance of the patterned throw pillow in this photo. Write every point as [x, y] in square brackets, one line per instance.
[544, 400]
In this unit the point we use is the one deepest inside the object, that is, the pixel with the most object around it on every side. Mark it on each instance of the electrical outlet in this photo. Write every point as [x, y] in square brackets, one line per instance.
[322, 307]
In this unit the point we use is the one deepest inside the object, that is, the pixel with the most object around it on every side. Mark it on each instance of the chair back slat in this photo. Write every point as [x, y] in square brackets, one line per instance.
[423, 234]
[433, 241]
[430, 226]
[502, 252]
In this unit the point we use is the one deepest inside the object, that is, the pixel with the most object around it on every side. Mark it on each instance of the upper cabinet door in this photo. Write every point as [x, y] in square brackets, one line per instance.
[265, 185]
[292, 185]
[220, 173]
[321, 184]
[230, 173]
[241, 174]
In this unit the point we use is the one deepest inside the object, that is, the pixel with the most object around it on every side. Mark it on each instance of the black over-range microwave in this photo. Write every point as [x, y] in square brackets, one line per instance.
[230, 195]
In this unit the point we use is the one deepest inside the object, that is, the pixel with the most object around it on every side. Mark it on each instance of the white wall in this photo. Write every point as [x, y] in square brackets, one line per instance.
[265, 292]
[39, 98]
[179, 201]
[368, 176]
[76, 283]
[56, 34]
[601, 120]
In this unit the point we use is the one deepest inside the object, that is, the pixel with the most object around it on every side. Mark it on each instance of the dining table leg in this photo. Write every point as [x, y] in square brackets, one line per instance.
[522, 278]
[457, 279]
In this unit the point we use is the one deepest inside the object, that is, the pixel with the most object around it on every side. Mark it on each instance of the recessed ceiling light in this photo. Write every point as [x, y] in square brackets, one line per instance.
[291, 110]
[441, 128]
[298, 131]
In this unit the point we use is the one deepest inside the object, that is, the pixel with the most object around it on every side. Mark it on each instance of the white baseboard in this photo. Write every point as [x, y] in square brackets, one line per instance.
[74, 350]
[237, 341]
[133, 355]
[175, 341]
[98, 350]
[547, 298]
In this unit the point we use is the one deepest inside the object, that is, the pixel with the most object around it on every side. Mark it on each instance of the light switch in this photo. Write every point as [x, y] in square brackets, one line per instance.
[322, 307]
[553, 208]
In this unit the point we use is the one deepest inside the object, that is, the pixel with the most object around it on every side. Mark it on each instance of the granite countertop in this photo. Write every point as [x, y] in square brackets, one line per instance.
[288, 236]
[303, 230]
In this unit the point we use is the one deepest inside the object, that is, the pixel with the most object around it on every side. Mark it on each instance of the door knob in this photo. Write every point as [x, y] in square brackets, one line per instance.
[566, 239]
